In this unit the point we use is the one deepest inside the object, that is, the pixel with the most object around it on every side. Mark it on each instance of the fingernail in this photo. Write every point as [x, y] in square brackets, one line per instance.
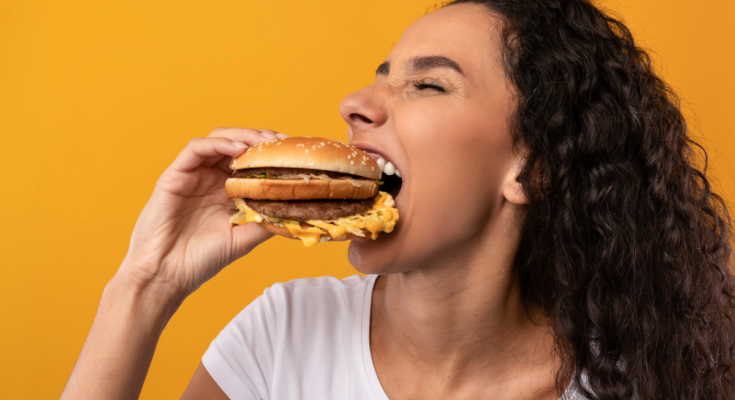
[267, 135]
[281, 135]
[239, 145]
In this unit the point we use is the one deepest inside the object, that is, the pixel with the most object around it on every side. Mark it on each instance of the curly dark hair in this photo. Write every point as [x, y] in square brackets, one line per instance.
[624, 246]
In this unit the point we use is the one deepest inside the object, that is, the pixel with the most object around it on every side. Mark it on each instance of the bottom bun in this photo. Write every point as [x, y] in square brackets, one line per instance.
[282, 231]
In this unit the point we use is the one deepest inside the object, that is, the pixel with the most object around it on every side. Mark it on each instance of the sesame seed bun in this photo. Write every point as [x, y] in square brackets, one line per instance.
[309, 153]
[298, 189]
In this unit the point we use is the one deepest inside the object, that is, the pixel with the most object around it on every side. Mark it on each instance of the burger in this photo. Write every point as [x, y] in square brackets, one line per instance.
[313, 189]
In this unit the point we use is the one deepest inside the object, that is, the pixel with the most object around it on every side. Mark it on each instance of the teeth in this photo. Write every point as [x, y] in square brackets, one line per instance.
[384, 166]
[381, 164]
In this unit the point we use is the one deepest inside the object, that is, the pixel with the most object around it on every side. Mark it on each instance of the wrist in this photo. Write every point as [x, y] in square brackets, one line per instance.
[153, 300]
[118, 351]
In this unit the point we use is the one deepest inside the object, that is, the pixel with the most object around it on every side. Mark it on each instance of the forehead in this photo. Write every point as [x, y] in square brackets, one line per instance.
[465, 33]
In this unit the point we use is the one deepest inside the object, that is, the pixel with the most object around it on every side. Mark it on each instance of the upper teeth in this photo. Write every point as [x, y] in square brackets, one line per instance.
[386, 167]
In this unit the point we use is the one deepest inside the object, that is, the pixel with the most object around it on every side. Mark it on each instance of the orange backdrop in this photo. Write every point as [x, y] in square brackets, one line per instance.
[96, 99]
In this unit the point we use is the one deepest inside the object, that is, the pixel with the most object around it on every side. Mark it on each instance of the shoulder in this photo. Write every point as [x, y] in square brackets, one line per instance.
[304, 304]
[325, 282]
[317, 290]
[300, 303]
[311, 323]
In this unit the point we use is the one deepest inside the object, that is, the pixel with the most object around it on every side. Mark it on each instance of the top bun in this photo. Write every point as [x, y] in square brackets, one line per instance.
[309, 153]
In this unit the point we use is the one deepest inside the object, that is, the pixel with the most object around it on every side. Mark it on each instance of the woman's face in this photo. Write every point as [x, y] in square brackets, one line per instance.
[438, 111]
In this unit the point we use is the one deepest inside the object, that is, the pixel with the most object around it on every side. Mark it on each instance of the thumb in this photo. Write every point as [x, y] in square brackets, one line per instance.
[246, 237]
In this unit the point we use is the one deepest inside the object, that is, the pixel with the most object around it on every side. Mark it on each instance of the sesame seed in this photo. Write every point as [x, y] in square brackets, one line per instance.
[352, 163]
[313, 147]
[307, 151]
[321, 144]
[312, 163]
[372, 168]
[348, 157]
[363, 163]
[278, 143]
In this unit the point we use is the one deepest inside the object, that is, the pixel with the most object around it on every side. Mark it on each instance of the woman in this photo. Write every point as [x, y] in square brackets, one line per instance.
[556, 240]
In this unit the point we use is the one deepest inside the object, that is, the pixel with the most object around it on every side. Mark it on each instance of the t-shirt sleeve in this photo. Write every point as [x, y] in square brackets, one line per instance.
[241, 358]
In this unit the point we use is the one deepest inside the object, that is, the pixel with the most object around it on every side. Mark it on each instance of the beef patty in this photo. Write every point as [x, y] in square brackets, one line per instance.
[310, 209]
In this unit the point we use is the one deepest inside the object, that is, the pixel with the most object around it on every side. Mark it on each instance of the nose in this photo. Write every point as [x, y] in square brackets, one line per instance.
[364, 110]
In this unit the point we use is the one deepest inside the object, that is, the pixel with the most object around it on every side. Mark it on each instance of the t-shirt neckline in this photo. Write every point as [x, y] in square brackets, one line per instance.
[367, 356]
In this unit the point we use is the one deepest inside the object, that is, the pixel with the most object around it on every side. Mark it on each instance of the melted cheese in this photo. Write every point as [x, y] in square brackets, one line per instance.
[381, 217]
[336, 232]
[309, 236]
[244, 214]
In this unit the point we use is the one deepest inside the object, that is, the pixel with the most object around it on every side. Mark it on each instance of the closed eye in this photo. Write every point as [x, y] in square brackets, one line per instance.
[432, 86]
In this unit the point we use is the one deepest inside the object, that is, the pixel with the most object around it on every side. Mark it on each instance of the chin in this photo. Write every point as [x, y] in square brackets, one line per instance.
[375, 256]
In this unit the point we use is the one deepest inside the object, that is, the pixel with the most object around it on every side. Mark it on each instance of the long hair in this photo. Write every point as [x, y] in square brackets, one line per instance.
[624, 246]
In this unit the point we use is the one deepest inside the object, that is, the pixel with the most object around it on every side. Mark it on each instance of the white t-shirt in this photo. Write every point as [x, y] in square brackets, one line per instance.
[305, 339]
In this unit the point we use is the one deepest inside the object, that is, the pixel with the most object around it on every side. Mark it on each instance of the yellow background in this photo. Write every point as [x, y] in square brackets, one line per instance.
[96, 99]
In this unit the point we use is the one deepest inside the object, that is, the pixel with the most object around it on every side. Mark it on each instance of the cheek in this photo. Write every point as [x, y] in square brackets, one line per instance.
[458, 159]
[463, 152]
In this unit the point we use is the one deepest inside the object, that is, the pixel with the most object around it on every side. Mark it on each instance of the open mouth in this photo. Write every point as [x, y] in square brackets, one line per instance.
[391, 184]
[390, 175]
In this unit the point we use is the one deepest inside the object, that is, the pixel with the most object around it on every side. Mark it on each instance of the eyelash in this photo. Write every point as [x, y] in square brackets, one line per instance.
[421, 86]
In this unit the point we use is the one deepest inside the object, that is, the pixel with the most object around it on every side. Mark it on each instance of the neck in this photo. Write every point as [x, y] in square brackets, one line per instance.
[463, 316]
[435, 315]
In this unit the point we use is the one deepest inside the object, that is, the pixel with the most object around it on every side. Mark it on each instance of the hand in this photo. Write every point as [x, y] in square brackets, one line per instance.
[183, 236]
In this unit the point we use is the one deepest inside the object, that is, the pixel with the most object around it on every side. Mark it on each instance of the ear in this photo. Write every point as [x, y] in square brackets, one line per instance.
[512, 190]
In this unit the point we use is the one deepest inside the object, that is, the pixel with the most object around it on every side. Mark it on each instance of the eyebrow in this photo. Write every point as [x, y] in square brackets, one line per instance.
[423, 64]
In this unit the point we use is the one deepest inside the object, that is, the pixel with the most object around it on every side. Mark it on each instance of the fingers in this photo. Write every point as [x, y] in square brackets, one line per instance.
[246, 237]
[272, 134]
[207, 151]
[221, 143]
[251, 137]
